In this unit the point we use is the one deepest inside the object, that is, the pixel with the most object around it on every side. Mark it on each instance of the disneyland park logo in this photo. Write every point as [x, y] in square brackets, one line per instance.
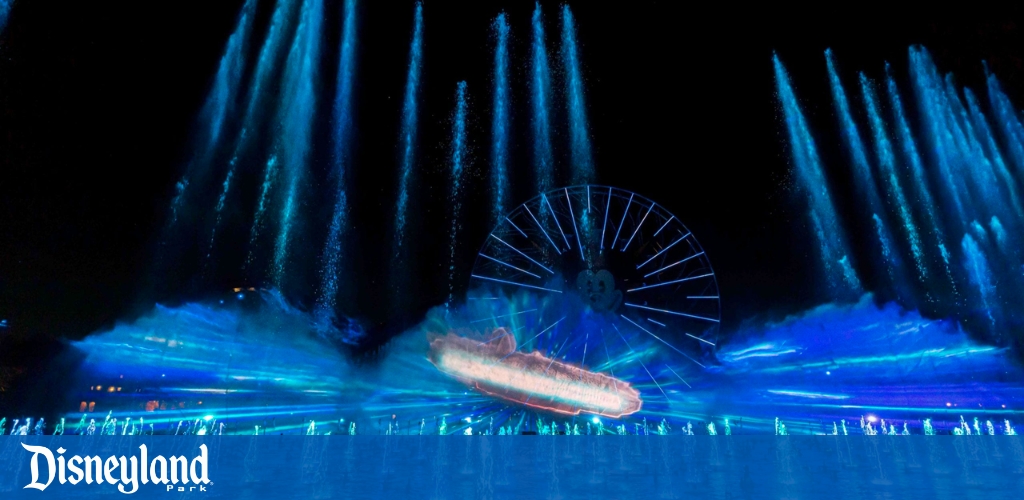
[126, 473]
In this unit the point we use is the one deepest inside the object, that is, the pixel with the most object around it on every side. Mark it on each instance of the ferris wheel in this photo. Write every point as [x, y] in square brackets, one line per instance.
[601, 277]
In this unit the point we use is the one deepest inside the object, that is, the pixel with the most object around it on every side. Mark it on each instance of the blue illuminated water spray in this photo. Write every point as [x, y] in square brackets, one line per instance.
[979, 273]
[540, 87]
[931, 96]
[458, 159]
[832, 246]
[500, 121]
[409, 125]
[1000, 175]
[579, 133]
[887, 168]
[863, 176]
[219, 102]
[341, 157]
[297, 114]
[1008, 121]
[5, 12]
[265, 67]
[912, 157]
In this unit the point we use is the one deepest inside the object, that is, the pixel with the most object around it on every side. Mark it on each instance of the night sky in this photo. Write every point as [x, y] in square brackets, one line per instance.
[99, 100]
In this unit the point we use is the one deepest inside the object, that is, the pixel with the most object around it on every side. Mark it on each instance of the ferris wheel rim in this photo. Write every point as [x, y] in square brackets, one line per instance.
[610, 192]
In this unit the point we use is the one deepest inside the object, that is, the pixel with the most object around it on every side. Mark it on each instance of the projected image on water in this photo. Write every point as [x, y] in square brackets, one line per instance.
[466, 219]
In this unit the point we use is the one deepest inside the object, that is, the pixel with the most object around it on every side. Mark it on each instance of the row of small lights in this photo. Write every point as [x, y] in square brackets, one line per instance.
[109, 389]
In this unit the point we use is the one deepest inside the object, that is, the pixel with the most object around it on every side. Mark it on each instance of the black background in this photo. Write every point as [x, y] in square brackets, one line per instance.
[99, 100]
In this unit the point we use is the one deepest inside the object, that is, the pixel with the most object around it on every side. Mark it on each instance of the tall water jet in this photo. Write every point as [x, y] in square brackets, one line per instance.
[973, 158]
[458, 159]
[886, 247]
[930, 96]
[409, 124]
[913, 158]
[579, 131]
[219, 102]
[1007, 120]
[296, 114]
[265, 67]
[976, 265]
[911, 155]
[991, 150]
[5, 12]
[999, 233]
[887, 168]
[342, 118]
[500, 121]
[863, 176]
[821, 210]
[540, 89]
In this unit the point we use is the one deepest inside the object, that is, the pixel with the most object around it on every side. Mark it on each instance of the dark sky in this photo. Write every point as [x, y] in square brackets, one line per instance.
[98, 100]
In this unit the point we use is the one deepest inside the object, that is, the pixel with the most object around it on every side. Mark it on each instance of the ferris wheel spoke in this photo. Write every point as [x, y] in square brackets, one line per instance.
[689, 278]
[674, 313]
[631, 351]
[552, 325]
[506, 264]
[656, 322]
[663, 226]
[557, 224]
[502, 316]
[607, 208]
[517, 228]
[638, 226]
[621, 222]
[663, 250]
[700, 339]
[696, 297]
[677, 376]
[520, 252]
[535, 221]
[648, 332]
[586, 342]
[524, 285]
[572, 215]
[672, 264]
[610, 369]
